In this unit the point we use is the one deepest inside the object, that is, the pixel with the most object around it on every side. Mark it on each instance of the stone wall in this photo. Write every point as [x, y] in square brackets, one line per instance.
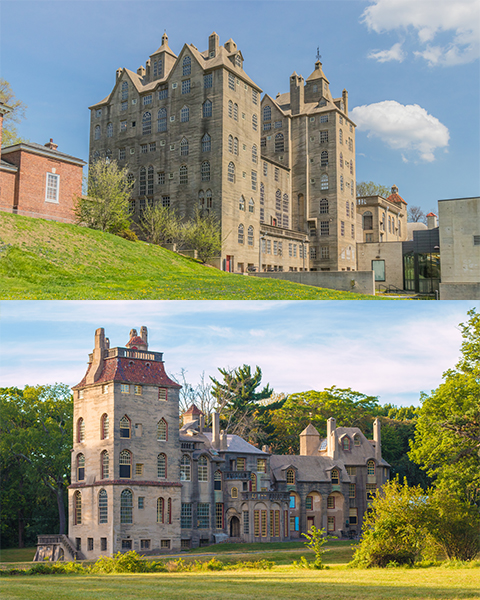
[361, 282]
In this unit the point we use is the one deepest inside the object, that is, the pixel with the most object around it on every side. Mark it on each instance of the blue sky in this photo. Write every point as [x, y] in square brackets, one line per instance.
[393, 350]
[410, 66]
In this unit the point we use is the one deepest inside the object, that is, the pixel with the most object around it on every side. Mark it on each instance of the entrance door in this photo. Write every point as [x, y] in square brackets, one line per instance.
[310, 522]
[234, 527]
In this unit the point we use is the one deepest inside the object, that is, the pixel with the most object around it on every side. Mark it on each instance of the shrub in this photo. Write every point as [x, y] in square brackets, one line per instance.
[129, 562]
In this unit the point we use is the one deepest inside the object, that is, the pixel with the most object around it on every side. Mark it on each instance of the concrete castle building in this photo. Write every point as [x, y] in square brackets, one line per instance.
[141, 483]
[279, 173]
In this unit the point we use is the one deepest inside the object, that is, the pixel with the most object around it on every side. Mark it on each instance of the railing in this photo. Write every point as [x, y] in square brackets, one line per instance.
[187, 445]
[272, 496]
[242, 475]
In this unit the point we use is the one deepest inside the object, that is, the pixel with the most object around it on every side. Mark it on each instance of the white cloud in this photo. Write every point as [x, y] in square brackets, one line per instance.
[395, 53]
[429, 18]
[407, 128]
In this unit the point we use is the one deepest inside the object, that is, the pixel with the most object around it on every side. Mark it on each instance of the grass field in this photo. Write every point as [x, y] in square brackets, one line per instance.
[283, 582]
[42, 260]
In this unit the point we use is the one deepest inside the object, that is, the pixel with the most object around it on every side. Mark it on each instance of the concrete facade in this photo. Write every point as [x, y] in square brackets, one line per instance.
[278, 173]
[459, 224]
[141, 483]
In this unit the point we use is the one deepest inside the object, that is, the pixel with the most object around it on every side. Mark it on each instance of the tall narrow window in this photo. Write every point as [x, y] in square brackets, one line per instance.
[267, 113]
[235, 111]
[251, 205]
[102, 506]
[162, 120]
[231, 172]
[250, 236]
[205, 170]
[230, 143]
[206, 143]
[185, 468]
[290, 477]
[235, 146]
[207, 109]
[125, 90]
[104, 427]
[80, 430]
[340, 136]
[254, 153]
[169, 511]
[77, 508]
[126, 506]
[125, 427]
[125, 464]
[160, 510]
[241, 235]
[184, 147]
[203, 468]
[109, 129]
[203, 515]
[253, 482]
[209, 198]
[142, 183]
[184, 114]
[187, 66]
[52, 188]
[279, 143]
[335, 477]
[147, 123]
[80, 467]
[324, 159]
[183, 174]
[105, 464]
[370, 467]
[217, 480]
[254, 122]
[98, 132]
[230, 109]
[162, 466]
[162, 430]
[324, 182]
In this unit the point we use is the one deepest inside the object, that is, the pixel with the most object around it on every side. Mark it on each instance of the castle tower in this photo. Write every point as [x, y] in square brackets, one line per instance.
[125, 491]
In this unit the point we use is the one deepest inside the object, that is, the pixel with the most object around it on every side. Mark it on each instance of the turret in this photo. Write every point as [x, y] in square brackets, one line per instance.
[97, 357]
[377, 440]
[309, 441]
[331, 441]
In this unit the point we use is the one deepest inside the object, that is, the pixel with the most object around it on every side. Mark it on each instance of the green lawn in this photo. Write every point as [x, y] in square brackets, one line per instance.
[42, 260]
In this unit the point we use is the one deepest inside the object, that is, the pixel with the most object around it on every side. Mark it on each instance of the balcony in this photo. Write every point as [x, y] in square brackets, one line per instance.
[241, 475]
[271, 496]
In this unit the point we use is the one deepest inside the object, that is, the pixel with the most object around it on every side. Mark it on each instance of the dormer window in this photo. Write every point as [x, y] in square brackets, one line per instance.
[238, 60]
[290, 477]
[346, 444]
[187, 66]
[335, 477]
[356, 440]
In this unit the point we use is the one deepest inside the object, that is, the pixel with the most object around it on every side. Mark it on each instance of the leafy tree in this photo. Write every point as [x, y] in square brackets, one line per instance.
[161, 225]
[447, 438]
[416, 215]
[36, 439]
[369, 188]
[350, 408]
[240, 404]
[393, 529]
[7, 96]
[106, 207]
[203, 234]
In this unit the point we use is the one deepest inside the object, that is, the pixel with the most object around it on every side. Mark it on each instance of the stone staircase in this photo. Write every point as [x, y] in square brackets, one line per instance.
[56, 547]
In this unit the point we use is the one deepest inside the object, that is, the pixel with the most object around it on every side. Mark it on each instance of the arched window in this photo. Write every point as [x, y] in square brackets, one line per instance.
[187, 66]
[104, 464]
[126, 506]
[125, 90]
[125, 427]
[150, 181]
[253, 480]
[147, 123]
[340, 136]
[125, 464]
[234, 492]
[335, 477]
[290, 477]
[278, 200]
[235, 112]
[162, 119]
[217, 480]
[341, 159]
[324, 159]
[201, 198]
[205, 170]
[279, 143]
[250, 235]
[162, 466]
[184, 114]
[230, 108]
[183, 174]
[80, 430]
[184, 147]
[367, 220]
[347, 208]
[160, 510]
[162, 431]
[254, 122]
[230, 143]
[324, 182]
[185, 468]
[254, 153]
[207, 109]
[353, 209]
[285, 202]
[241, 203]
[77, 508]
[142, 182]
[102, 506]
[235, 146]
[346, 444]
[267, 113]
[209, 198]
[109, 129]
[241, 235]
[98, 132]
[231, 172]
[341, 183]
[203, 468]
[351, 167]
[169, 511]
[206, 143]
[370, 467]
[251, 205]
[292, 501]
[130, 179]
[80, 467]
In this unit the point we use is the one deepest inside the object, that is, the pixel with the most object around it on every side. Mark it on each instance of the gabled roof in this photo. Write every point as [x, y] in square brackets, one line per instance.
[317, 73]
[308, 468]
[310, 430]
[35, 148]
[237, 444]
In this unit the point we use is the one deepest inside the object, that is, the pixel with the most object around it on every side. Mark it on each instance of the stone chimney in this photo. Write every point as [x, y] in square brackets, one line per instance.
[144, 334]
[223, 440]
[309, 441]
[215, 430]
[345, 101]
[141, 71]
[50, 145]
[96, 367]
[377, 439]
[331, 439]
[119, 73]
[213, 44]
[297, 94]
[432, 221]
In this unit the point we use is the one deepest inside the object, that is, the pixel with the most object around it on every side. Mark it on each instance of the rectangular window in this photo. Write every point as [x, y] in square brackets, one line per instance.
[162, 394]
[141, 501]
[147, 99]
[256, 523]
[323, 118]
[103, 544]
[313, 253]
[186, 86]
[138, 390]
[325, 252]
[267, 126]
[144, 544]
[161, 178]
[278, 124]
[240, 463]
[153, 146]
[164, 543]
[126, 544]
[51, 191]
[342, 228]
[254, 180]
[186, 515]
[277, 524]
[262, 465]
[292, 502]
[231, 81]
[219, 515]
[277, 174]
[124, 388]
[139, 469]
[203, 515]
[351, 490]
[378, 267]
[331, 502]
[208, 80]
[255, 96]
[246, 522]
[292, 523]
[352, 470]
[371, 489]
[144, 148]
[309, 503]
[78, 544]
[324, 228]
[90, 544]
[121, 154]
[163, 93]
[166, 201]
[323, 137]
[331, 524]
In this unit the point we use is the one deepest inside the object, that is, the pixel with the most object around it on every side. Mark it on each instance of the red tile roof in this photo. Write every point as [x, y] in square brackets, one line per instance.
[431, 214]
[135, 342]
[193, 410]
[396, 198]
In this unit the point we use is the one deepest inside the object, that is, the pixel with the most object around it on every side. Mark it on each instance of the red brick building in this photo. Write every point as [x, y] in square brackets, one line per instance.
[38, 181]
